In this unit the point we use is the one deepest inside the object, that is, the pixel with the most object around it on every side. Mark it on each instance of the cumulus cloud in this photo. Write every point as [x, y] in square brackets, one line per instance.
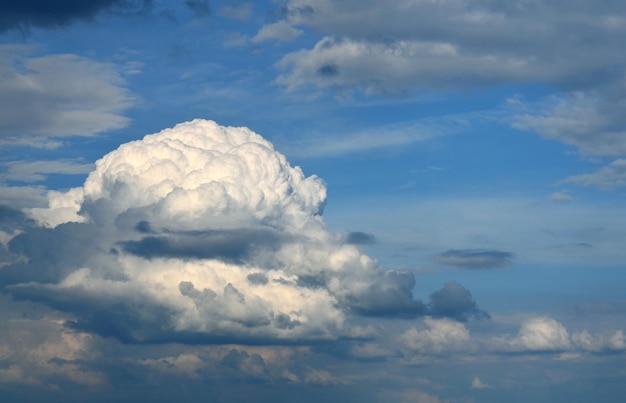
[541, 334]
[455, 301]
[546, 335]
[49, 97]
[475, 258]
[206, 234]
[45, 14]
[439, 336]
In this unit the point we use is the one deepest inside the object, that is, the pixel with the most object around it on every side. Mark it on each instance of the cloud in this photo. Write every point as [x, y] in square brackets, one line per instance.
[440, 336]
[424, 44]
[608, 177]
[541, 334]
[598, 343]
[279, 31]
[546, 335]
[46, 98]
[407, 47]
[474, 259]
[395, 135]
[205, 234]
[561, 197]
[360, 238]
[36, 171]
[44, 14]
[455, 301]
[477, 384]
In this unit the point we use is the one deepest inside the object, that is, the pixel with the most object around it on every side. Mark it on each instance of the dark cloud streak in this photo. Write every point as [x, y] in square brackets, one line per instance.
[475, 259]
[25, 14]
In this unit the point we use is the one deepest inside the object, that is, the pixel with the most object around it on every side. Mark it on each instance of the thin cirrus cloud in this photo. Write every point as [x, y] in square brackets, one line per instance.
[141, 252]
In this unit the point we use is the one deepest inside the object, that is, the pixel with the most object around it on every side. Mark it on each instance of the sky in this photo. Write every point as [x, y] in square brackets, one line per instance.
[312, 200]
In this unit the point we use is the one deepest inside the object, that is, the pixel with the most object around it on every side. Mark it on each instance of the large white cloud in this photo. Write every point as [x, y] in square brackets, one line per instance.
[201, 233]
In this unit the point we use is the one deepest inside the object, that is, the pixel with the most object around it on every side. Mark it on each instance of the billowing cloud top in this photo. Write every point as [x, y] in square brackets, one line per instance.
[199, 175]
[203, 234]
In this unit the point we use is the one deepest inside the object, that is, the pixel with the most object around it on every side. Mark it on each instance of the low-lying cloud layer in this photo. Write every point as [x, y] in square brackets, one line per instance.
[206, 234]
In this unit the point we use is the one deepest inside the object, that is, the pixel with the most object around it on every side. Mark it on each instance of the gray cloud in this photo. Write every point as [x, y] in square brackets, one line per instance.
[49, 97]
[36, 171]
[360, 238]
[377, 47]
[475, 259]
[608, 177]
[229, 245]
[47, 14]
[456, 302]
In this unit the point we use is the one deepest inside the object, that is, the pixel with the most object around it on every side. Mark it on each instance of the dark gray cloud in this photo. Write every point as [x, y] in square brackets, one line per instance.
[475, 259]
[360, 238]
[456, 302]
[227, 245]
[389, 296]
[24, 14]
[11, 219]
[51, 254]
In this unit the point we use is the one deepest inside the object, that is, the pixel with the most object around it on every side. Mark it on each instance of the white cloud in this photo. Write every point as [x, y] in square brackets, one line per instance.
[56, 96]
[478, 384]
[615, 341]
[561, 196]
[203, 232]
[279, 31]
[541, 334]
[610, 176]
[440, 336]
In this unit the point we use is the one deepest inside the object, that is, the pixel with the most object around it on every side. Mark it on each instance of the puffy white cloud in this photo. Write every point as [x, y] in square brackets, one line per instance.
[541, 334]
[201, 233]
[615, 341]
[440, 336]
[544, 334]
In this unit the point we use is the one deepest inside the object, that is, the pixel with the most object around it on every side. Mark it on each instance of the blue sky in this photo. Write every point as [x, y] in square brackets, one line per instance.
[411, 201]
